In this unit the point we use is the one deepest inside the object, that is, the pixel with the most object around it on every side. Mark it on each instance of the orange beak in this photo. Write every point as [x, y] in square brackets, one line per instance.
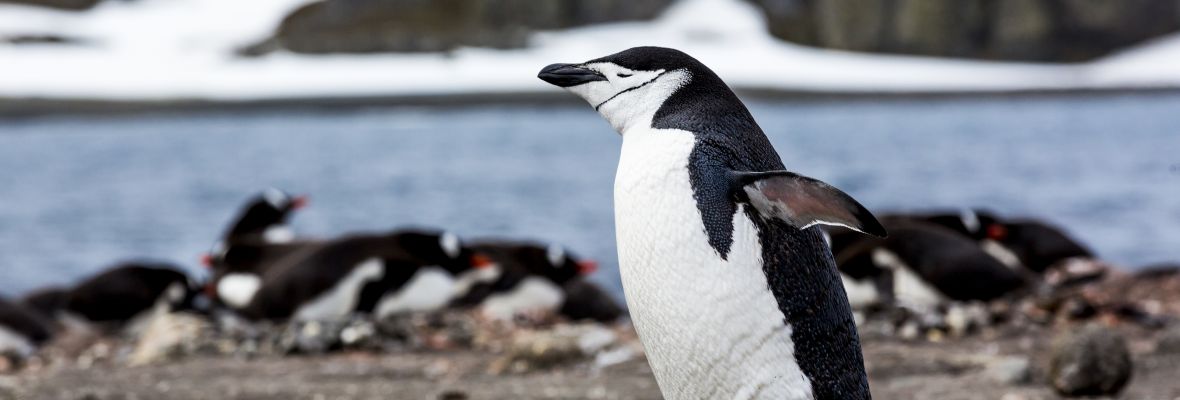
[587, 267]
[299, 201]
[997, 232]
[480, 261]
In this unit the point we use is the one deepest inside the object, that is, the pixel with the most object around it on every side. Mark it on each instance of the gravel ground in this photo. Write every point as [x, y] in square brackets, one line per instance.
[947, 370]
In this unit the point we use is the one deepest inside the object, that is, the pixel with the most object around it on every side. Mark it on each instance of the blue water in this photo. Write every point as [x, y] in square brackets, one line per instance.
[79, 193]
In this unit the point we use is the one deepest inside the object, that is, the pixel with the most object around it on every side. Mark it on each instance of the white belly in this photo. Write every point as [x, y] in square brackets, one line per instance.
[533, 294]
[429, 289]
[339, 301]
[711, 327]
[15, 343]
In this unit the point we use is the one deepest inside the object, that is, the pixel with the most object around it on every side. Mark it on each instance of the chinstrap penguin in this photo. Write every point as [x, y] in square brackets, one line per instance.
[731, 291]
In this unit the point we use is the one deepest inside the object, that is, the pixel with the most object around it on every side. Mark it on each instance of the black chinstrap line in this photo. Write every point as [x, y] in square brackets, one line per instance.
[653, 79]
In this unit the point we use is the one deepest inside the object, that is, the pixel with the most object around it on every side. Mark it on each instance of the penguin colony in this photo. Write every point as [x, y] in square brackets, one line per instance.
[743, 279]
[260, 270]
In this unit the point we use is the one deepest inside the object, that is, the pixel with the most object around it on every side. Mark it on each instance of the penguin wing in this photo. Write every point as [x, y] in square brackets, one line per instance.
[801, 201]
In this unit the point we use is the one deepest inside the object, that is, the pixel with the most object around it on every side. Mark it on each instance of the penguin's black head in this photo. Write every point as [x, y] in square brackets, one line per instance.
[629, 87]
[269, 209]
[556, 263]
[443, 249]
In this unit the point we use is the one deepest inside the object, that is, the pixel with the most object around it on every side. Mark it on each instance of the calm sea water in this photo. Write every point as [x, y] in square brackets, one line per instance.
[80, 193]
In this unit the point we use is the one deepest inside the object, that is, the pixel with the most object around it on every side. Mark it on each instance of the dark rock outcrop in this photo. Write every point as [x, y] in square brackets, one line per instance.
[371, 26]
[1032, 30]
[62, 4]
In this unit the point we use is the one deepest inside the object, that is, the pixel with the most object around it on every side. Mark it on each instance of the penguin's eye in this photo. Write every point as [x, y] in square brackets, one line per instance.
[623, 75]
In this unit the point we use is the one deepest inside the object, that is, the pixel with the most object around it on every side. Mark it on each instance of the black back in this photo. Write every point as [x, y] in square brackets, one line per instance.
[1040, 245]
[954, 222]
[124, 291]
[296, 280]
[24, 321]
[798, 265]
[952, 263]
[46, 301]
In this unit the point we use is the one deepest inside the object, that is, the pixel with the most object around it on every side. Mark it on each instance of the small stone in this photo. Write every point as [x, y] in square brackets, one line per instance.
[1009, 370]
[1093, 361]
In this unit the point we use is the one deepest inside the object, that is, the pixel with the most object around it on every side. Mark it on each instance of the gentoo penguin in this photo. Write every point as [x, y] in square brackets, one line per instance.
[364, 272]
[236, 270]
[21, 330]
[731, 292]
[1039, 245]
[264, 218]
[979, 225]
[532, 277]
[256, 239]
[1028, 243]
[921, 265]
[125, 291]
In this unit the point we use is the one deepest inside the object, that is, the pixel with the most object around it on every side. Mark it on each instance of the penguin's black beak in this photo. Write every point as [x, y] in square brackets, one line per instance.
[566, 75]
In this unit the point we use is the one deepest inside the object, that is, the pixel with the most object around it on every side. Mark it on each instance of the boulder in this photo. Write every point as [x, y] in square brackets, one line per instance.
[1092, 361]
[75, 5]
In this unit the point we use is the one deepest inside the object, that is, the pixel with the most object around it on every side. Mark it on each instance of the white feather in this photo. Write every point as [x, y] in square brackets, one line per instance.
[533, 294]
[340, 300]
[238, 289]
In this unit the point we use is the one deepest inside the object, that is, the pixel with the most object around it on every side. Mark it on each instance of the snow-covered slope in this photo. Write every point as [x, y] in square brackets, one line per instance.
[183, 49]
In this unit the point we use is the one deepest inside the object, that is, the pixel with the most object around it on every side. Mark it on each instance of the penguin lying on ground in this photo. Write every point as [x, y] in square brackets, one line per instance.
[22, 330]
[1031, 244]
[1039, 245]
[922, 265]
[124, 292]
[532, 278]
[378, 273]
[731, 291]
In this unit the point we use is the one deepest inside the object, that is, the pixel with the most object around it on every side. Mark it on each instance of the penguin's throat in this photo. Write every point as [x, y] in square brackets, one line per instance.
[636, 107]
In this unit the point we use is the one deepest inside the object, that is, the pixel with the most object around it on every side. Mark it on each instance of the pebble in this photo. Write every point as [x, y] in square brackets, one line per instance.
[1092, 361]
[1012, 370]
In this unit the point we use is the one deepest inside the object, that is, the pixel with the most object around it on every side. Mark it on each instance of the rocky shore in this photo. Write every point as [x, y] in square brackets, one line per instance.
[1027, 349]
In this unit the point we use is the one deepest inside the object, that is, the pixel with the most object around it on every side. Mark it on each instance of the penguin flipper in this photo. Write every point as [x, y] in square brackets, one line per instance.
[801, 201]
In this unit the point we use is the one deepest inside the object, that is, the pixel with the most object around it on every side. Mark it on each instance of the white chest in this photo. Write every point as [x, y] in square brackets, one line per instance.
[711, 327]
[533, 294]
[340, 300]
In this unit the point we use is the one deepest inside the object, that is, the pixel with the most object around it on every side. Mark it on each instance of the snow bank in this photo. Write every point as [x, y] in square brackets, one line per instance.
[171, 49]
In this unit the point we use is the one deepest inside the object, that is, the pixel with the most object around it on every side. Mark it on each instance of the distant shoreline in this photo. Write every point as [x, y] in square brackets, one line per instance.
[41, 107]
